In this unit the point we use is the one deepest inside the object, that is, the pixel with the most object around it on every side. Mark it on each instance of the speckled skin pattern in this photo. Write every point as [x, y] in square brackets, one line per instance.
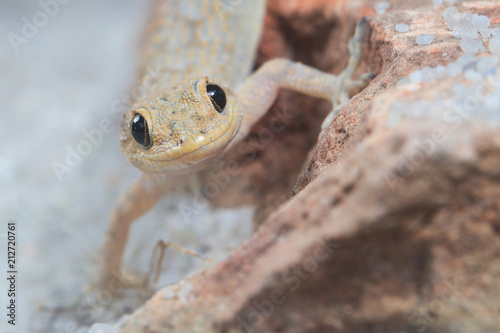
[192, 43]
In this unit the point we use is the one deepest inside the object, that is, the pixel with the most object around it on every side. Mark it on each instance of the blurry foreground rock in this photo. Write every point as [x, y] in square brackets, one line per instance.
[395, 224]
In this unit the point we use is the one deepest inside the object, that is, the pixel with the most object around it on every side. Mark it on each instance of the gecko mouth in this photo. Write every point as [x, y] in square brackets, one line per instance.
[179, 157]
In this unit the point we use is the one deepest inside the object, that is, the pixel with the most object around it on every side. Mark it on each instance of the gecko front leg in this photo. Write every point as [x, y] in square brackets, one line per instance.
[259, 91]
[139, 198]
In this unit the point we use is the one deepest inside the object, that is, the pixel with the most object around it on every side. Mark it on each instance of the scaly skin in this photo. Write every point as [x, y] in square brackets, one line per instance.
[200, 42]
[185, 129]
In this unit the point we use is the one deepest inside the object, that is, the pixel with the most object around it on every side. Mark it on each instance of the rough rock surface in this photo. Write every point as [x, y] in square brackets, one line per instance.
[394, 226]
[393, 55]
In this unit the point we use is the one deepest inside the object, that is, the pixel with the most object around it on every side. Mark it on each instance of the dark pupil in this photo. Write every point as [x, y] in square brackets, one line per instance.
[140, 132]
[217, 96]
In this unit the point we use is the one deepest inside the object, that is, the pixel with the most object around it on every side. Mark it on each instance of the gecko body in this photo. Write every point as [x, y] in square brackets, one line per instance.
[202, 101]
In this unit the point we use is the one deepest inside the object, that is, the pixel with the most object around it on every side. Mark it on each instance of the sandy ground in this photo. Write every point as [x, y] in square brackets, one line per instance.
[63, 71]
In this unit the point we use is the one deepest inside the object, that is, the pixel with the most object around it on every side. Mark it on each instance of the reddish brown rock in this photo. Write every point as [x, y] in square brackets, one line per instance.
[392, 55]
[356, 251]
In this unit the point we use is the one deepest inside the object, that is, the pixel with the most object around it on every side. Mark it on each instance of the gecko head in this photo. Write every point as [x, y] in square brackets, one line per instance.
[182, 128]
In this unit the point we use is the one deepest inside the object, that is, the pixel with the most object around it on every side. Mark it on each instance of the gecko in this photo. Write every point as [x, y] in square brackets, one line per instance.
[200, 99]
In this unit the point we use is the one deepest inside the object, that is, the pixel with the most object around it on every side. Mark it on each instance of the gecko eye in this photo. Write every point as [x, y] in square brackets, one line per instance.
[140, 131]
[217, 96]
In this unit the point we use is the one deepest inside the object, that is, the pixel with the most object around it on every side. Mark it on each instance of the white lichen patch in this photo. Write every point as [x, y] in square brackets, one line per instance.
[494, 45]
[425, 39]
[381, 7]
[473, 96]
[401, 27]
[480, 97]
[185, 293]
[469, 28]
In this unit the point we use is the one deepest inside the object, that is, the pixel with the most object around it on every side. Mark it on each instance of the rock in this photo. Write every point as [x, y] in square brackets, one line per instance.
[392, 56]
[378, 243]
[395, 222]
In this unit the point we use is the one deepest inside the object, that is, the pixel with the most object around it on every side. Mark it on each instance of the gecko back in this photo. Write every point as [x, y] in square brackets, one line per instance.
[191, 39]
